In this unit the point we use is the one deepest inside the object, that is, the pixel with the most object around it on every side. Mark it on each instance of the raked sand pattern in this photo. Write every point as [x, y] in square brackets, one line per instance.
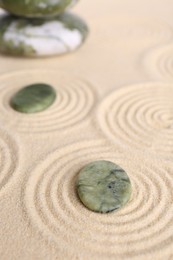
[159, 62]
[9, 160]
[114, 102]
[53, 207]
[141, 117]
[75, 99]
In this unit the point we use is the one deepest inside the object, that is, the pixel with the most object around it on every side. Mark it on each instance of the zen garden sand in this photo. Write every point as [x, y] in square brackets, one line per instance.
[114, 103]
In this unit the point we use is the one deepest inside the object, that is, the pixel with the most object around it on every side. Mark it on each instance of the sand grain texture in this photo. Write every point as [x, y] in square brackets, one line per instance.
[114, 102]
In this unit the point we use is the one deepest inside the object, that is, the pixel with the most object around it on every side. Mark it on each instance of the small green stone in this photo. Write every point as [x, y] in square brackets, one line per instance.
[103, 186]
[33, 98]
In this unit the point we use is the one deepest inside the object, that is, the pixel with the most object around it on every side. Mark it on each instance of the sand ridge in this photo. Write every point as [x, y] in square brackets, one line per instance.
[9, 160]
[159, 62]
[140, 116]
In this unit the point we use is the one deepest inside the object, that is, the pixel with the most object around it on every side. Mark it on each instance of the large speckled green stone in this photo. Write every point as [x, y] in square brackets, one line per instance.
[41, 37]
[33, 98]
[36, 8]
[103, 186]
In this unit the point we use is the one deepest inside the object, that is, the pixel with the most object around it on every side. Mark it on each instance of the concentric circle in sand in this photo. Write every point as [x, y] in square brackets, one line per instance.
[9, 160]
[143, 226]
[75, 99]
[141, 117]
[159, 62]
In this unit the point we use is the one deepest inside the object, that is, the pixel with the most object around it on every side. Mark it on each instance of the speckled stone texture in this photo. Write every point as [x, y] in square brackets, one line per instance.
[33, 98]
[103, 186]
[41, 37]
[36, 8]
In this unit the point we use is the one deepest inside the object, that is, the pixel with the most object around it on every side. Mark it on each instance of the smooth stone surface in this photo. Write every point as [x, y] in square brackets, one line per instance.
[36, 8]
[33, 98]
[103, 186]
[41, 37]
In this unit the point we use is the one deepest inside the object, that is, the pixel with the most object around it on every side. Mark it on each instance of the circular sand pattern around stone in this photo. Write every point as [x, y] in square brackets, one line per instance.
[159, 62]
[9, 160]
[134, 28]
[143, 226]
[75, 99]
[141, 117]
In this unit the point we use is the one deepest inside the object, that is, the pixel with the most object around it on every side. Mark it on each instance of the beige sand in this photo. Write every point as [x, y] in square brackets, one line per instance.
[114, 102]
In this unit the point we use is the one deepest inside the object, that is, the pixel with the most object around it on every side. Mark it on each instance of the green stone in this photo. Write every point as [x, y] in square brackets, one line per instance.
[36, 8]
[41, 37]
[103, 186]
[33, 98]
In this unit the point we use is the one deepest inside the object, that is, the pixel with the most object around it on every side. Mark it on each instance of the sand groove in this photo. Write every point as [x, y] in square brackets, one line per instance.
[53, 207]
[75, 98]
[141, 117]
[159, 62]
[9, 160]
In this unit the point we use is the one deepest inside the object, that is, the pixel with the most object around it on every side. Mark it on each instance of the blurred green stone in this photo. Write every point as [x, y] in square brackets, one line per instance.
[41, 37]
[103, 186]
[36, 8]
[33, 98]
